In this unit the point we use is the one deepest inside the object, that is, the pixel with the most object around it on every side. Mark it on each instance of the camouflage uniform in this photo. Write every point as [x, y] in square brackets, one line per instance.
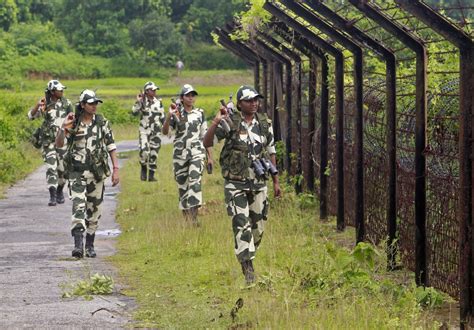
[246, 194]
[86, 146]
[53, 157]
[152, 117]
[188, 156]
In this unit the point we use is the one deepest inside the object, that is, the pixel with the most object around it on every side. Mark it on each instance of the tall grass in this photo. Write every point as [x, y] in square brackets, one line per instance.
[187, 277]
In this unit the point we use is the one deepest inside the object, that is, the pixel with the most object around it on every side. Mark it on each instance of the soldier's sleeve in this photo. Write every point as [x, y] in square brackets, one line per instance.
[136, 107]
[270, 140]
[220, 133]
[162, 113]
[36, 115]
[109, 137]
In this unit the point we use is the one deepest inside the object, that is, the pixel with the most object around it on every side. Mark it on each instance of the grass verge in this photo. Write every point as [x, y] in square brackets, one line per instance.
[16, 164]
[187, 277]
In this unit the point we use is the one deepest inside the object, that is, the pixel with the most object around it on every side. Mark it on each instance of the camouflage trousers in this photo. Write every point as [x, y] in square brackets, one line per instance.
[188, 174]
[248, 210]
[149, 144]
[53, 157]
[87, 195]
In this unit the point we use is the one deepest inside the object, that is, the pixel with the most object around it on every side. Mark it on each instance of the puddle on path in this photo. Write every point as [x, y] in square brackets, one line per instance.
[108, 232]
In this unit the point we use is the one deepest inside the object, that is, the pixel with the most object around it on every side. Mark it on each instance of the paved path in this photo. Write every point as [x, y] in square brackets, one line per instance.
[35, 250]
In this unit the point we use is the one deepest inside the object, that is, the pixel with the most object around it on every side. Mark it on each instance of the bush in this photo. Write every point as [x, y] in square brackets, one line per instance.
[68, 65]
[206, 57]
[34, 38]
[115, 113]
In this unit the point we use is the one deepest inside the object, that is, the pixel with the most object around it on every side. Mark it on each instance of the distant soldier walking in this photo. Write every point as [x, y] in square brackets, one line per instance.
[152, 117]
[89, 143]
[247, 159]
[190, 126]
[53, 108]
[179, 67]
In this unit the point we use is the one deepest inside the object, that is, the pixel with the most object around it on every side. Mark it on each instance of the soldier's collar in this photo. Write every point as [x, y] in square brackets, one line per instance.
[254, 119]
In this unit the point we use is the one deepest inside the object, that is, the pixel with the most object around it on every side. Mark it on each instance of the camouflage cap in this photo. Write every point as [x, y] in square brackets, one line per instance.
[187, 88]
[247, 93]
[55, 85]
[150, 85]
[89, 96]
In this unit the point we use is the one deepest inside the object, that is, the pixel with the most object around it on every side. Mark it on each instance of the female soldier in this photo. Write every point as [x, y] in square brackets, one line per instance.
[89, 142]
[188, 155]
[53, 108]
[247, 160]
[152, 117]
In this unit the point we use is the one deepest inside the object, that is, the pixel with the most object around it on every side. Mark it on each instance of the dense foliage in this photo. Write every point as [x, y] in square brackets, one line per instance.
[98, 38]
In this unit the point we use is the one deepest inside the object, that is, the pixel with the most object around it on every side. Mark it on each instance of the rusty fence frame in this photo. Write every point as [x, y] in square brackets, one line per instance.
[339, 80]
[299, 40]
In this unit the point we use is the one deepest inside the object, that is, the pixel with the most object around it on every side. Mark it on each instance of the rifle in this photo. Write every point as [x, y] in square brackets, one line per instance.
[143, 101]
[46, 100]
[176, 104]
[230, 105]
[225, 122]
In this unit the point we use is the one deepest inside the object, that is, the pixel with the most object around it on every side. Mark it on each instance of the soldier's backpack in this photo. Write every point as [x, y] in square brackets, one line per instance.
[235, 159]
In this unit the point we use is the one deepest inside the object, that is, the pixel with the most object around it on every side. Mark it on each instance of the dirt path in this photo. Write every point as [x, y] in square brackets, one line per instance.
[35, 250]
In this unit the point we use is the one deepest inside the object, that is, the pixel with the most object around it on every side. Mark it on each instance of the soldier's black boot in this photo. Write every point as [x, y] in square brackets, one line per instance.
[143, 172]
[151, 175]
[60, 194]
[90, 253]
[249, 272]
[52, 196]
[78, 250]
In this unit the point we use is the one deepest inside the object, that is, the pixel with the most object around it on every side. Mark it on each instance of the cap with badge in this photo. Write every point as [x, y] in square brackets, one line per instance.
[88, 96]
[187, 88]
[246, 93]
[55, 85]
[150, 85]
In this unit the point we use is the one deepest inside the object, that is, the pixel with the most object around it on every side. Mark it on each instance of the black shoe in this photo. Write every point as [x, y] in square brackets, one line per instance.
[52, 196]
[143, 172]
[249, 272]
[90, 253]
[151, 175]
[60, 194]
[78, 250]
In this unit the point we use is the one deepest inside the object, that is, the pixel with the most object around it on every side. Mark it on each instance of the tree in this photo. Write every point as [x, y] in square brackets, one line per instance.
[204, 15]
[157, 38]
[95, 26]
[8, 13]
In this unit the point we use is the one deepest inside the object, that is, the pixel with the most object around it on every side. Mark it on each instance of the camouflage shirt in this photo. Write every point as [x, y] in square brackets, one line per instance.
[88, 138]
[190, 131]
[54, 116]
[258, 144]
[152, 114]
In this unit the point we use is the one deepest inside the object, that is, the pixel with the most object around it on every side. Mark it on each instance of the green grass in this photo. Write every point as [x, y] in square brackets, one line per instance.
[187, 277]
[212, 86]
[18, 164]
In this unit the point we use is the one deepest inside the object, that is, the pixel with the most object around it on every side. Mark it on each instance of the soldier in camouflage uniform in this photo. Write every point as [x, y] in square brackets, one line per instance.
[89, 143]
[190, 126]
[53, 108]
[152, 117]
[248, 140]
